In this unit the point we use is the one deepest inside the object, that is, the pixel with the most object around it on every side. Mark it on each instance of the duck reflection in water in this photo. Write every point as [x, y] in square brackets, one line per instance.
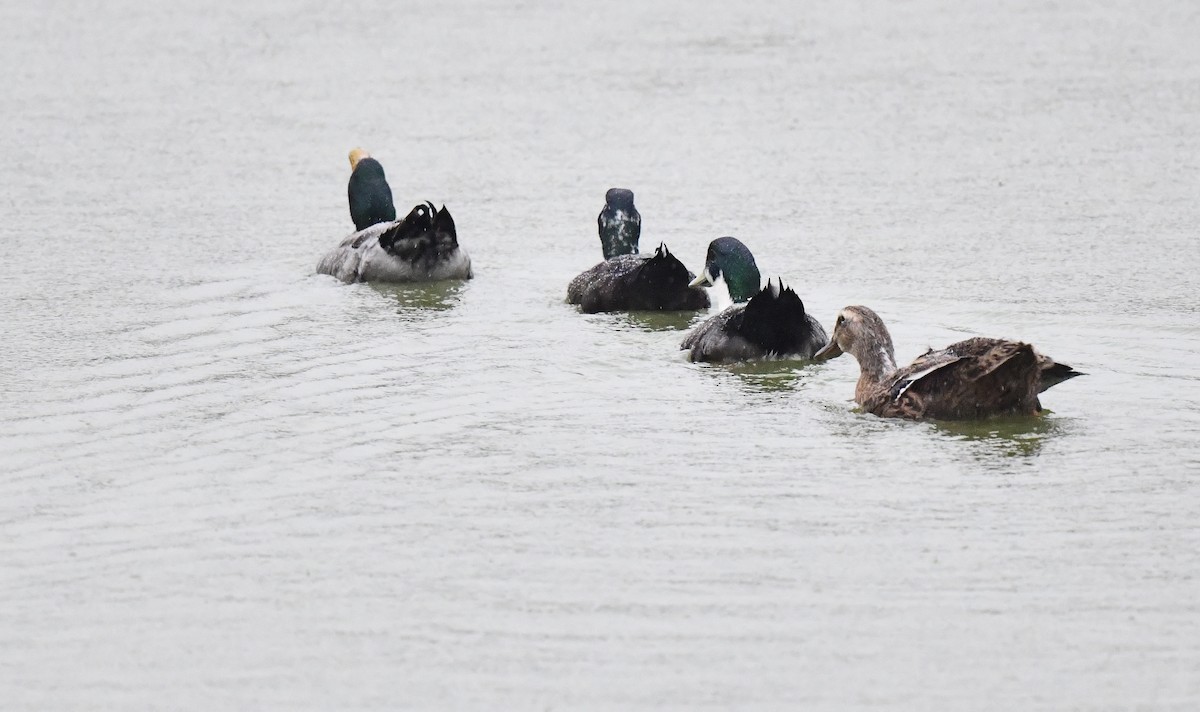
[775, 376]
[1004, 437]
[657, 320]
[423, 297]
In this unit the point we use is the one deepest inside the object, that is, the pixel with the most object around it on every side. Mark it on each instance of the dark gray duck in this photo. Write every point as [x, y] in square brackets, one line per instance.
[626, 280]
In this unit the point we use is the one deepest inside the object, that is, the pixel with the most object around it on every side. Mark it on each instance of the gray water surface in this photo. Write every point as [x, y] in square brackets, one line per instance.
[229, 483]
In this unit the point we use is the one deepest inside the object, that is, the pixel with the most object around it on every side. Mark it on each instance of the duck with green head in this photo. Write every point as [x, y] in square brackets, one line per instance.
[766, 322]
[970, 380]
[626, 280]
[420, 247]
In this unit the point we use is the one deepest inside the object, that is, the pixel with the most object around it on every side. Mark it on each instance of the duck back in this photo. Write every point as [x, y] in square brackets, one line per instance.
[969, 380]
[657, 282]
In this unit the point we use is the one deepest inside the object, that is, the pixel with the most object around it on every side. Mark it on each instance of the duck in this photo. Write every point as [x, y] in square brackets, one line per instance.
[767, 322]
[627, 280]
[368, 190]
[421, 247]
[970, 380]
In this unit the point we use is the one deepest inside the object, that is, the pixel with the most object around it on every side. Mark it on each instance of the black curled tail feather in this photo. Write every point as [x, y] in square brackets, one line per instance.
[1054, 374]
[418, 221]
[775, 320]
[444, 231]
[661, 282]
[659, 274]
[425, 235]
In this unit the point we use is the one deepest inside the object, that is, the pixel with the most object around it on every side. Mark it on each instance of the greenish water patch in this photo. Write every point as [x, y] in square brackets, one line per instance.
[1008, 435]
[433, 296]
[777, 375]
[658, 320]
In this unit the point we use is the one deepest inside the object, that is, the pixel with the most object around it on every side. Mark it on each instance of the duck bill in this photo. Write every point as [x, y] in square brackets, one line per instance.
[831, 350]
[704, 280]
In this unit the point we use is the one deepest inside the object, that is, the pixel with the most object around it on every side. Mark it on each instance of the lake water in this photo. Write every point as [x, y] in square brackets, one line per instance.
[229, 483]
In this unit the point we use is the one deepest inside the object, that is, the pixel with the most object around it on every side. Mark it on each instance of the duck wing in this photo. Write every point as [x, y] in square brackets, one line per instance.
[971, 379]
[599, 289]
[715, 340]
[345, 260]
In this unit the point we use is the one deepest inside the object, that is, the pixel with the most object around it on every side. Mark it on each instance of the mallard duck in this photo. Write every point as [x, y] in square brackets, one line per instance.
[368, 190]
[627, 281]
[762, 323]
[422, 247]
[969, 380]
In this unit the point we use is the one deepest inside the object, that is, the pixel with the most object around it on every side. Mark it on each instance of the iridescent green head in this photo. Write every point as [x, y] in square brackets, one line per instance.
[729, 257]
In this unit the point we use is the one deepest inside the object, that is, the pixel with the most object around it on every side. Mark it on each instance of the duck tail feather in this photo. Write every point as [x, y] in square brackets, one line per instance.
[661, 282]
[444, 229]
[774, 319]
[661, 263]
[399, 237]
[1056, 373]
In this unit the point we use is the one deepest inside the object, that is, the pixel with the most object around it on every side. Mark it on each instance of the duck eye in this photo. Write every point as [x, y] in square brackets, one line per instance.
[840, 319]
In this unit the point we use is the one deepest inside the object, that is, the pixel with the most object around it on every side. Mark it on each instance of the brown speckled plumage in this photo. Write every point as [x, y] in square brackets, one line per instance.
[969, 380]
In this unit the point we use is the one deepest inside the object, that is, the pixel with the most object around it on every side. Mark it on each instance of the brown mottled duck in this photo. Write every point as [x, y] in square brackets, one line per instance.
[970, 380]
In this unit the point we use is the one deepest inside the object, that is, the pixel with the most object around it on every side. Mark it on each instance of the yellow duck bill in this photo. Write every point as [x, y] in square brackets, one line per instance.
[704, 280]
[831, 350]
